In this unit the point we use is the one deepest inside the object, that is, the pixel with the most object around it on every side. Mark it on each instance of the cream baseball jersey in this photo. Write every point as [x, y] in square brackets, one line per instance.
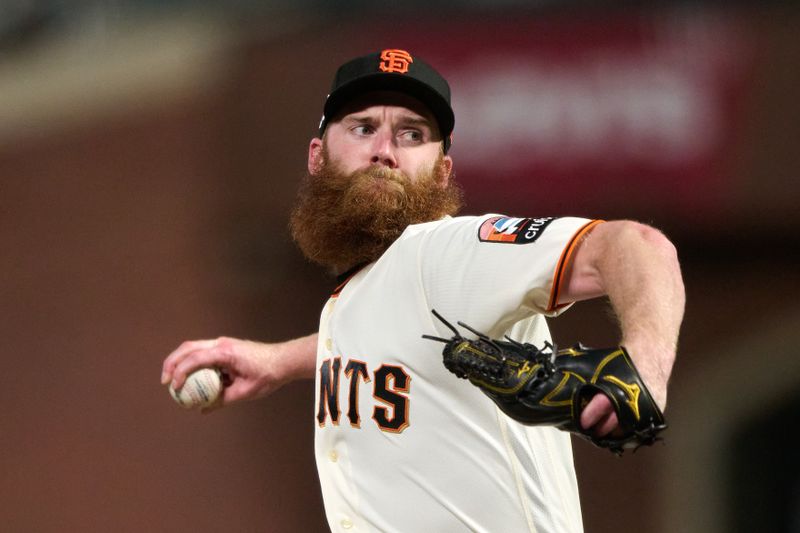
[401, 444]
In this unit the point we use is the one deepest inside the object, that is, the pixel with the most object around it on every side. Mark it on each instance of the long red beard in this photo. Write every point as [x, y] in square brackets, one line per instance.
[341, 220]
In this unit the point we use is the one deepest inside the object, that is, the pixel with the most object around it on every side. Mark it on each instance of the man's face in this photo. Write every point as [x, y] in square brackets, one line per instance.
[382, 129]
[379, 169]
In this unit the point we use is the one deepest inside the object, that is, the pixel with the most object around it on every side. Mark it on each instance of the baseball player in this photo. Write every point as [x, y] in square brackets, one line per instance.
[401, 444]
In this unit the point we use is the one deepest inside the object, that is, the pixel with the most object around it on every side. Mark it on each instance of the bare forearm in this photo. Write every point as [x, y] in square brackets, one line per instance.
[640, 273]
[297, 358]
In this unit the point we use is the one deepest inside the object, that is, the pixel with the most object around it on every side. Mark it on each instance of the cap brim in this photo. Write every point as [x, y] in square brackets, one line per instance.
[392, 82]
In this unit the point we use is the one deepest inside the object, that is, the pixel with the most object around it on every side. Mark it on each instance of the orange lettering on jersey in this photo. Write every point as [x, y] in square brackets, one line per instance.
[329, 391]
[393, 60]
[355, 372]
[390, 380]
[390, 387]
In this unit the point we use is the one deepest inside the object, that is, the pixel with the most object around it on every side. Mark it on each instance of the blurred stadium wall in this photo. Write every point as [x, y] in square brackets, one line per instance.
[149, 155]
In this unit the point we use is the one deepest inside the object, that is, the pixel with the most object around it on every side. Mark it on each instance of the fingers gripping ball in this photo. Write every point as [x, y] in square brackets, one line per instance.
[201, 389]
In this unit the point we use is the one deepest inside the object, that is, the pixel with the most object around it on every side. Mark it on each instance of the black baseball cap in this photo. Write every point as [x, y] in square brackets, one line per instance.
[392, 70]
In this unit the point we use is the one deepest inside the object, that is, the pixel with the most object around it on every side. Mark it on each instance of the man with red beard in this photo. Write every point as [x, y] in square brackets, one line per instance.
[352, 207]
[401, 444]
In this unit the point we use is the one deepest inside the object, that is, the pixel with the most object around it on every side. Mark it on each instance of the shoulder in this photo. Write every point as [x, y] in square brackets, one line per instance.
[445, 224]
[461, 227]
[495, 228]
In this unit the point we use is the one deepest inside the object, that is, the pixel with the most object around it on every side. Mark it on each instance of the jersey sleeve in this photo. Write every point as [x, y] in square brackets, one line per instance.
[492, 271]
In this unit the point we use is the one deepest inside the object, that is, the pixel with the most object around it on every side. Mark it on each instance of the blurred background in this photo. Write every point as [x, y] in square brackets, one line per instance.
[149, 156]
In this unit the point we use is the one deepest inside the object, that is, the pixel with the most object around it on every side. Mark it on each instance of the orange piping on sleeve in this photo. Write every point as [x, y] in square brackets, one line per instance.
[566, 257]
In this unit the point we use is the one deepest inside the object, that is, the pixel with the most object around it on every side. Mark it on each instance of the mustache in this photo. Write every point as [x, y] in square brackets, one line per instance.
[379, 172]
[333, 181]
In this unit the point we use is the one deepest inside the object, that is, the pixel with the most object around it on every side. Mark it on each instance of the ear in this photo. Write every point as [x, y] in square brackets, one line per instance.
[315, 160]
[447, 162]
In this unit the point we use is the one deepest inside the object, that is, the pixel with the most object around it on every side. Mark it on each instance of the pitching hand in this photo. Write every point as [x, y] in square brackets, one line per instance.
[250, 369]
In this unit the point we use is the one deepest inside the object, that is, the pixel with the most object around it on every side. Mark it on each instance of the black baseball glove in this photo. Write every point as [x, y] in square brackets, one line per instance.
[545, 386]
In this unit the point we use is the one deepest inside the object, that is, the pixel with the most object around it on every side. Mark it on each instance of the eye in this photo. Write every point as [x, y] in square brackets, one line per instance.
[412, 136]
[362, 129]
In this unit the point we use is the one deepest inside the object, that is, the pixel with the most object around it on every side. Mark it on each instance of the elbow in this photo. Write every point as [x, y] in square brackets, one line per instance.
[655, 239]
[628, 233]
[649, 238]
[658, 242]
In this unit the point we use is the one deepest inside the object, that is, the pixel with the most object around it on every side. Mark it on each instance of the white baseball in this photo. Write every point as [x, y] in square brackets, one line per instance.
[202, 388]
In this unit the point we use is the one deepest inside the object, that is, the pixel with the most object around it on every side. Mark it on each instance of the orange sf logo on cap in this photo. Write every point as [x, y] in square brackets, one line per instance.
[394, 60]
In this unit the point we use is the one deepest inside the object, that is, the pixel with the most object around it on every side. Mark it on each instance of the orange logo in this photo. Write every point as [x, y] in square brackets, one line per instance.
[395, 61]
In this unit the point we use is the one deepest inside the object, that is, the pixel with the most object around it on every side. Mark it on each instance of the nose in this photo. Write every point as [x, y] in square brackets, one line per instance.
[383, 150]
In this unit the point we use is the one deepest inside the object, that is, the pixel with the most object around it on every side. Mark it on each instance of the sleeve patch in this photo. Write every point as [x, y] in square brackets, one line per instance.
[513, 230]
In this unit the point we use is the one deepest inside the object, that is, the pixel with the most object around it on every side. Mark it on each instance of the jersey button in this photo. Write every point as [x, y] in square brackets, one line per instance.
[333, 456]
[346, 523]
